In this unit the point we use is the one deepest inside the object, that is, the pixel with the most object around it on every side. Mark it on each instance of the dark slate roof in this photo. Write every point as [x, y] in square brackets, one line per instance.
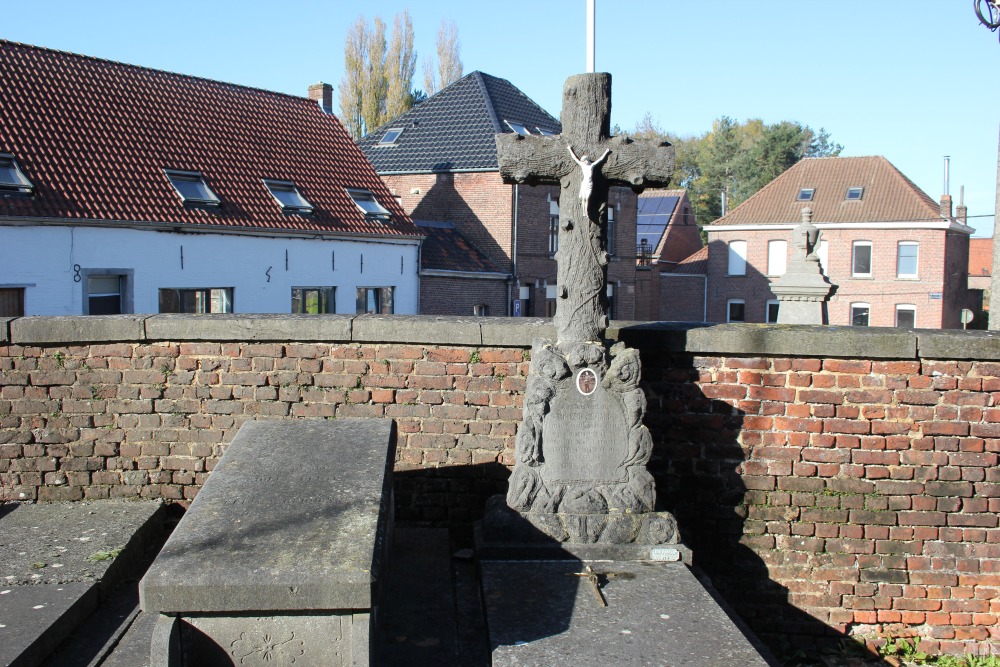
[446, 249]
[94, 137]
[455, 129]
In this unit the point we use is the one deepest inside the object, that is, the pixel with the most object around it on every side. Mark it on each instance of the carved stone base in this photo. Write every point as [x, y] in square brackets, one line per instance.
[505, 533]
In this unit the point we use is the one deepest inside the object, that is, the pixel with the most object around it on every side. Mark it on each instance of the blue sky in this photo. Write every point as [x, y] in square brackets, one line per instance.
[913, 81]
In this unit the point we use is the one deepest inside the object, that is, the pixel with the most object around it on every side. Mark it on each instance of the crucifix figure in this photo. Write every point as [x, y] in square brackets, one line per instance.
[581, 309]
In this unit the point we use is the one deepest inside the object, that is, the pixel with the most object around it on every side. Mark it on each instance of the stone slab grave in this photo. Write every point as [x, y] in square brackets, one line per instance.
[580, 488]
[281, 557]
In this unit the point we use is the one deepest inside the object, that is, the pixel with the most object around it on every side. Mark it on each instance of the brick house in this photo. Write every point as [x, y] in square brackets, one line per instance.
[666, 234]
[896, 257]
[440, 160]
[980, 273]
[130, 190]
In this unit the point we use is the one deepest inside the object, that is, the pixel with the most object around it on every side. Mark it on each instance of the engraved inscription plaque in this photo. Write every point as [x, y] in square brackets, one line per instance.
[585, 436]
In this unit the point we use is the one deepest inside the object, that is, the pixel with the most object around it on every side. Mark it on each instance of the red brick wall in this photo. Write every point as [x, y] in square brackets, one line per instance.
[941, 255]
[820, 494]
[681, 298]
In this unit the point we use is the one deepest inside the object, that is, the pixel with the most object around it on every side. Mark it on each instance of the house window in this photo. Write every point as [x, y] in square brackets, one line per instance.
[806, 194]
[611, 301]
[772, 311]
[11, 301]
[612, 230]
[375, 300]
[545, 133]
[553, 227]
[551, 291]
[12, 179]
[192, 188]
[859, 314]
[906, 259]
[288, 196]
[777, 256]
[366, 201]
[906, 316]
[480, 310]
[314, 300]
[735, 310]
[737, 258]
[861, 259]
[104, 295]
[389, 138]
[823, 253]
[199, 300]
[854, 194]
[519, 128]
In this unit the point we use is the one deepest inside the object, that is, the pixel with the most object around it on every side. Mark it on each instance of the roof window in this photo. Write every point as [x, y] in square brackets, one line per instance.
[854, 193]
[545, 133]
[288, 196]
[12, 179]
[390, 137]
[366, 201]
[806, 194]
[520, 128]
[192, 188]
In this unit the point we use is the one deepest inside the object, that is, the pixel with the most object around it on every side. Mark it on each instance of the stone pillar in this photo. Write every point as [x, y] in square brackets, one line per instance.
[803, 290]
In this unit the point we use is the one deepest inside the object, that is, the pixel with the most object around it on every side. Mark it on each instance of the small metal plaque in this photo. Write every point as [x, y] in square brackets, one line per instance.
[586, 381]
[664, 554]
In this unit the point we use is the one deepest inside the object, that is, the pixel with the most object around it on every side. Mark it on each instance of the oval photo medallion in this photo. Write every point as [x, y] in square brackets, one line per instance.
[586, 381]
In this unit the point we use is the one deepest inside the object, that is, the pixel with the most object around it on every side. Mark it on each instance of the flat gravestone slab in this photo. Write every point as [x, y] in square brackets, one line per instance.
[34, 619]
[541, 613]
[292, 518]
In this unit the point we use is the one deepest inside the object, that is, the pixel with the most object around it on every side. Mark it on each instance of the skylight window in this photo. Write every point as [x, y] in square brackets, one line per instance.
[12, 179]
[390, 137]
[520, 128]
[806, 194]
[854, 193]
[366, 201]
[288, 196]
[192, 188]
[544, 132]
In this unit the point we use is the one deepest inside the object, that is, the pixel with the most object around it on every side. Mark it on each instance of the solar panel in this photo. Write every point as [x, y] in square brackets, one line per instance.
[652, 218]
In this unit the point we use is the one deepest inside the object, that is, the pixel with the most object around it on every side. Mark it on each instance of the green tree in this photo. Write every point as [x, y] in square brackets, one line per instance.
[401, 64]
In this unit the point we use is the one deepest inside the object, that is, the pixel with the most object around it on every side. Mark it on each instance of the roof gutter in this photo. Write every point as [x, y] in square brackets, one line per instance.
[950, 225]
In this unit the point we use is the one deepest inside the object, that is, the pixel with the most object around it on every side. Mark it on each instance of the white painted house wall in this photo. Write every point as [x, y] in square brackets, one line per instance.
[41, 258]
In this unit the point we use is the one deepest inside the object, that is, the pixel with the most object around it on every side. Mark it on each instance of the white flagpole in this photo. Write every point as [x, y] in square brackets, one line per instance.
[590, 36]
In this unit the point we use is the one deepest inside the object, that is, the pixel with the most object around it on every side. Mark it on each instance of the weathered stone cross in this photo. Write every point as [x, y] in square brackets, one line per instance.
[586, 161]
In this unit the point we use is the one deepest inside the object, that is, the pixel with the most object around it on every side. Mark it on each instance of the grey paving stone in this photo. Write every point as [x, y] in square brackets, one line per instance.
[230, 327]
[417, 329]
[77, 329]
[542, 614]
[34, 619]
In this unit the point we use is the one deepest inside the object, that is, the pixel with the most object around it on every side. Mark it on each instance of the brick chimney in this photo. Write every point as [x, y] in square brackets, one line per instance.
[323, 94]
[962, 212]
[946, 206]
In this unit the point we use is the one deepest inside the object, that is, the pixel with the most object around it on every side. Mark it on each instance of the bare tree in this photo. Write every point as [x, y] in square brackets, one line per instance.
[449, 59]
[401, 63]
[352, 85]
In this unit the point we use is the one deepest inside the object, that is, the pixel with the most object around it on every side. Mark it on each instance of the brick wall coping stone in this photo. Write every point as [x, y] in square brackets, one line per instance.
[687, 337]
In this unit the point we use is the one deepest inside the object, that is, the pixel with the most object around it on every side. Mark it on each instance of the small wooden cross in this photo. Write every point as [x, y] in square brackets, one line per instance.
[595, 583]
[585, 161]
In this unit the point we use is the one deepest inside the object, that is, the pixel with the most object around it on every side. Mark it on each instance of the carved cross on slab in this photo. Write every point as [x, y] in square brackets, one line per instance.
[585, 161]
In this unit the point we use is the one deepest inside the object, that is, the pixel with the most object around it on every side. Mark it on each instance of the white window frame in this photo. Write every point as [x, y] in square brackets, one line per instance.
[612, 231]
[390, 137]
[916, 262]
[857, 191]
[806, 194]
[209, 197]
[126, 278]
[480, 310]
[520, 128]
[293, 201]
[908, 308]
[854, 259]
[729, 309]
[553, 227]
[737, 258]
[767, 311]
[777, 257]
[868, 315]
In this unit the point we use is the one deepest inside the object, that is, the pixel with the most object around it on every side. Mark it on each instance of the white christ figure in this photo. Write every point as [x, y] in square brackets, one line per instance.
[587, 166]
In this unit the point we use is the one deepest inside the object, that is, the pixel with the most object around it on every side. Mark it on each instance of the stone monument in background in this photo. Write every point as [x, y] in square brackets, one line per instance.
[580, 473]
[803, 290]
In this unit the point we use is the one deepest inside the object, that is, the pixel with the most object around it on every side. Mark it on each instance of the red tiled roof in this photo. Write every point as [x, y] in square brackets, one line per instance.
[980, 257]
[888, 196]
[695, 264]
[94, 137]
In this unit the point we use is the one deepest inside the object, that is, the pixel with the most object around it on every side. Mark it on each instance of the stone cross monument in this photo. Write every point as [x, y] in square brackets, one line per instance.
[803, 290]
[580, 471]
